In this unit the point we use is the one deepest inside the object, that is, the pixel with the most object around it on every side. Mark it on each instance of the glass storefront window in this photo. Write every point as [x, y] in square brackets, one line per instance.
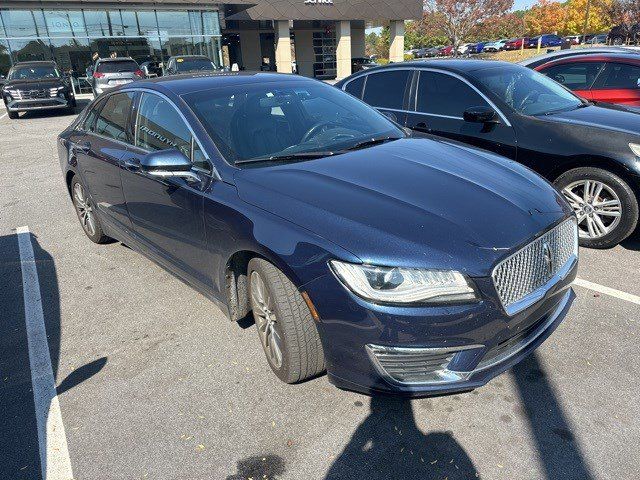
[147, 23]
[24, 23]
[74, 38]
[174, 23]
[130, 23]
[5, 61]
[96, 23]
[211, 23]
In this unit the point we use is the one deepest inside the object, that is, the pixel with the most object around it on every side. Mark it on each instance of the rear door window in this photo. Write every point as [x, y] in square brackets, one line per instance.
[444, 95]
[387, 89]
[575, 76]
[619, 75]
[118, 66]
[112, 122]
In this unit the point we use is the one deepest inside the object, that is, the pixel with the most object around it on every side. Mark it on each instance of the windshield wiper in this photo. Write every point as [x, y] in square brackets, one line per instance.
[287, 156]
[371, 142]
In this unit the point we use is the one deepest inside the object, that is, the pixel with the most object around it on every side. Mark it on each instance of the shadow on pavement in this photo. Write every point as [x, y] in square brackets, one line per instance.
[266, 467]
[18, 428]
[556, 444]
[388, 444]
[62, 113]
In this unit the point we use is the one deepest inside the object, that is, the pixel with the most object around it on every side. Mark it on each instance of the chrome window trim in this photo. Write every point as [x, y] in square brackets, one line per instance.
[415, 99]
[214, 172]
[463, 80]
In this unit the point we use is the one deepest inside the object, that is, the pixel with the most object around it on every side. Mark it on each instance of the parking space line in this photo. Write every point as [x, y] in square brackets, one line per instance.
[52, 440]
[612, 292]
[2, 116]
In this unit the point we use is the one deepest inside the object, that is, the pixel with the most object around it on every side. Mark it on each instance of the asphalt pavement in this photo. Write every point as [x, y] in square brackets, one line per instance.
[154, 382]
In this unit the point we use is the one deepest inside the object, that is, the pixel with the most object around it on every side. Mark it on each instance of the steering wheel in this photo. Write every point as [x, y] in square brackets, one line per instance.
[531, 96]
[318, 128]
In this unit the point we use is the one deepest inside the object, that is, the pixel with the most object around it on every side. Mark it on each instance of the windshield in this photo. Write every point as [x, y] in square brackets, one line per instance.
[527, 91]
[190, 64]
[27, 73]
[265, 120]
[118, 66]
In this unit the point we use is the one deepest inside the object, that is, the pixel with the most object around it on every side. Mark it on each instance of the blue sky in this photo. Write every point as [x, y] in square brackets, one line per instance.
[520, 4]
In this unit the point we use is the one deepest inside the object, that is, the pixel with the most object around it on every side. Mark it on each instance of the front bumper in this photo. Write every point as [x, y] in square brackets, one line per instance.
[475, 342]
[37, 104]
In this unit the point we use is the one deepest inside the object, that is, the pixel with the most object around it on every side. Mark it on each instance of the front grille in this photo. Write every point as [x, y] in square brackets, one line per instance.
[33, 94]
[531, 267]
[412, 365]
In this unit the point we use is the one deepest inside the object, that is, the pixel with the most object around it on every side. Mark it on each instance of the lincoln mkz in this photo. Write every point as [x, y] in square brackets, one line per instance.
[398, 265]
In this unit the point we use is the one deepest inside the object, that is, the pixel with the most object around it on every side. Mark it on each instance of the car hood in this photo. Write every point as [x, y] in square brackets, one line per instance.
[601, 116]
[411, 202]
[24, 84]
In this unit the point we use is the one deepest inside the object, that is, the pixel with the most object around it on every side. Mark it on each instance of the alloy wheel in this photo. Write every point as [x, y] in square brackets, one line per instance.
[266, 320]
[85, 210]
[597, 207]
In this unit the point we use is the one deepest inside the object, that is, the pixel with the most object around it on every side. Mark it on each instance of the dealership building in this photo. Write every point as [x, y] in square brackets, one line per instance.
[318, 38]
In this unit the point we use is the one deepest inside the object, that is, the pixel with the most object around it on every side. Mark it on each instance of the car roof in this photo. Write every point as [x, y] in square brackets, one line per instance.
[460, 66]
[574, 52]
[605, 57]
[189, 83]
[188, 56]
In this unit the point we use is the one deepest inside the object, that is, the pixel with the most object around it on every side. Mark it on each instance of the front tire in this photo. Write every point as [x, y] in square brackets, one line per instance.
[86, 213]
[12, 115]
[285, 326]
[606, 206]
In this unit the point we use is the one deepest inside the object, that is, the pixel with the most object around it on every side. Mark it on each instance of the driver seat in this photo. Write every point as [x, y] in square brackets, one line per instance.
[256, 132]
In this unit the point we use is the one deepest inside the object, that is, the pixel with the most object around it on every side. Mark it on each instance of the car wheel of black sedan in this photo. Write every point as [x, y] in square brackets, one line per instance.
[606, 206]
[86, 213]
[12, 115]
[285, 326]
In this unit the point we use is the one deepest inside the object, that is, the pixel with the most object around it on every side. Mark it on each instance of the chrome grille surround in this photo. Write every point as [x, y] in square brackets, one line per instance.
[522, 278]
[416, 366]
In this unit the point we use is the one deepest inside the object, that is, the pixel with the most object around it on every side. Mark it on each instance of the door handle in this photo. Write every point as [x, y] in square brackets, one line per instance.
[83, 147]
[132, 164]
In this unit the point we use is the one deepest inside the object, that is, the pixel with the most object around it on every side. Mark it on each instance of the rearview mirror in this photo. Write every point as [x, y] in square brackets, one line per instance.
[168, 163]
[480, 115]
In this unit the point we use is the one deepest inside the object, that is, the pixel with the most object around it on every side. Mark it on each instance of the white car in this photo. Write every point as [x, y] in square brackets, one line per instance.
[495, 46]
[464, 48]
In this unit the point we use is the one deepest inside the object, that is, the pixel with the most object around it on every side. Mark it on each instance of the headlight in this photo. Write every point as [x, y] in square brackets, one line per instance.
[635, 148]
[404, 285]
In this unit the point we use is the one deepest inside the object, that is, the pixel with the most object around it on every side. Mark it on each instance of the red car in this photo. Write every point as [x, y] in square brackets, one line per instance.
[516, 43]
[611, 78]
[445, 51]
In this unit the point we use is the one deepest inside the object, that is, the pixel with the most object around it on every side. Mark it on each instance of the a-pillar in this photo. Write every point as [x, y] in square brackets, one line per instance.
[396, 41]
[283, 46]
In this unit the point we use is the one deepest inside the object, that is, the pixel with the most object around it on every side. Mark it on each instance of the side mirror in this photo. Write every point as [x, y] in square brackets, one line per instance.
[168, 163]
[480, 115]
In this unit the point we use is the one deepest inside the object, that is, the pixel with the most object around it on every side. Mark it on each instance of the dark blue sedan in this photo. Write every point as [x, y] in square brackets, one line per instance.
[414, 266]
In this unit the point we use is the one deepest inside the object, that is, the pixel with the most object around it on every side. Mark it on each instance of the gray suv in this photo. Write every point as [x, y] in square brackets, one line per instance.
[109, 73]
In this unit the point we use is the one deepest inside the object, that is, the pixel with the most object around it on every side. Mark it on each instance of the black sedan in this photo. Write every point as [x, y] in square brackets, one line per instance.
[591, 153]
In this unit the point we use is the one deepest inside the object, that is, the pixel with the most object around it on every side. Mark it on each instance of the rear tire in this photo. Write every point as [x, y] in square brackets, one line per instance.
[87, 215]
[284, 322]
[12, 115]
[607, 213]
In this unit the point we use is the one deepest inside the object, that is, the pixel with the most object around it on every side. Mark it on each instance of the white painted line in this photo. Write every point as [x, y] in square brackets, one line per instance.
[607, 291]
[54, 454]
[2, 116]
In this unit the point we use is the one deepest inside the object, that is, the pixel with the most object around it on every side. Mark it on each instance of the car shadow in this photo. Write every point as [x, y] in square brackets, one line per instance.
[555, 441]
[18, 427]
[388, 444]
[633, 242]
